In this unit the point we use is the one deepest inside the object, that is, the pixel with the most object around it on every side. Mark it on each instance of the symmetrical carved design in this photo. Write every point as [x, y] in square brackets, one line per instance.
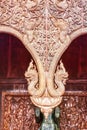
[46, 24]
[49, 96]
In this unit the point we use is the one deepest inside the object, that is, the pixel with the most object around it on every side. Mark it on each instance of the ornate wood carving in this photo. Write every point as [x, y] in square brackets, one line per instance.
[38, 20]
[18, 111]
[74, 113]
[32, 77]
[46, 25]
[49, 96]
[60, 78]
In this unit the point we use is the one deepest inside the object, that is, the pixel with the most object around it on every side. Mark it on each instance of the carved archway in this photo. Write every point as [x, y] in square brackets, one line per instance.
[63, 48]
[13, 85]
[6, 29]
[59, 53]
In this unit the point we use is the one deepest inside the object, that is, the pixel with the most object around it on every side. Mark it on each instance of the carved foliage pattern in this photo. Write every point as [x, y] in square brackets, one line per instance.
[75, 13]
[21, 12]
[18, 113]
[18, 13]
[73, 113]
[40, 22]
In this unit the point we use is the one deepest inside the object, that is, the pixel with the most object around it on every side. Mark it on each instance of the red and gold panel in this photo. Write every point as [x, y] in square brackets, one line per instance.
[17, 112]
[74, 112]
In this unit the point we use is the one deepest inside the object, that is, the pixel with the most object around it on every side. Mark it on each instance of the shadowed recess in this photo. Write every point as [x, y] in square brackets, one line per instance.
[14, 57]
[75, 58]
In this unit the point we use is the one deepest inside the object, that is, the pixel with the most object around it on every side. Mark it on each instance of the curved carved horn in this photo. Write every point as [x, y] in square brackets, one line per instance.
[32, 77]
[60, 78]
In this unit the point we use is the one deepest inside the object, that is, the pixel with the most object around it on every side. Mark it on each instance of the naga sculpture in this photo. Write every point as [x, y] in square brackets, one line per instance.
[49, 96]
[58, 88]
[32, 78]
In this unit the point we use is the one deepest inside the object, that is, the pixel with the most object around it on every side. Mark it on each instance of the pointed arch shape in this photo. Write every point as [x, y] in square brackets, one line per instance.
[60, 52]
[63, 48]
[31, 50]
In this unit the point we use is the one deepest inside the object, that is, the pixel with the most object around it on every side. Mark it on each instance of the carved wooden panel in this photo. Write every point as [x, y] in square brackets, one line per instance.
[18, 111]
[74, 113]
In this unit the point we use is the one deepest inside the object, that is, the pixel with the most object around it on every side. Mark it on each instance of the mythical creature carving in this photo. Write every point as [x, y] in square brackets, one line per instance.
[30, 28]
[48, 97]
[60, 78]
[32, 77]
[61, 74]
[62, 27]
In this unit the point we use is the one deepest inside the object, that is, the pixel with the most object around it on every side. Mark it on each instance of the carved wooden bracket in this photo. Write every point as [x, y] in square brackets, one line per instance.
[47, 97]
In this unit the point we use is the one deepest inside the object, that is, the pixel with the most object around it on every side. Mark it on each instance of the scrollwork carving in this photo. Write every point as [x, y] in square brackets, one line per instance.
[60, 4]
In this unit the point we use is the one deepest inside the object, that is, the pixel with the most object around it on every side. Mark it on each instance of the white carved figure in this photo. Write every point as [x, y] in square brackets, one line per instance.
[60, 78]
[61, 74]
[62, 27]
[57, 88]
[30, 27]
[32, 78]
